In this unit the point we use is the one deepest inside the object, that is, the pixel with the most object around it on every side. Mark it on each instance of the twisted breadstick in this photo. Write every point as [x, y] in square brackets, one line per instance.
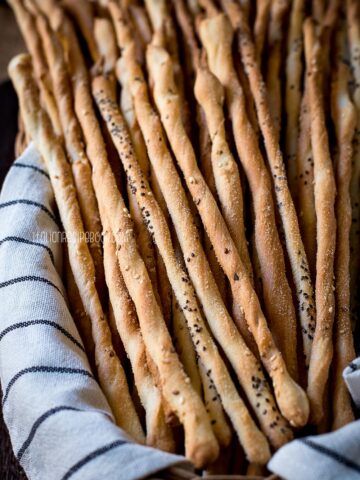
[353, 29]
[294, 70]
[246, 367]
[294, 244]
[111, 375]
[344, 118]
[158, 434]
[205, 346]
[324, 191]
[279, 307]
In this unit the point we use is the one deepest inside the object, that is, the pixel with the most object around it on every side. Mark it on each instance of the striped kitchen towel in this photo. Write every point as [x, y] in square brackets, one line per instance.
[60, 424]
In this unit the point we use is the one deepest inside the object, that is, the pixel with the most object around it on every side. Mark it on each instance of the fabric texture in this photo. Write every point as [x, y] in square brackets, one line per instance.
[60, 423]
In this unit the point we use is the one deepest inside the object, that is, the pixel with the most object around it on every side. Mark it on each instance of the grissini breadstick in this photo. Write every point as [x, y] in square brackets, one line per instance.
[280, 309]
[344, 118]
[261, 26]
[294, 70]
[158, 433]
[106, 43]
[181, 285]
[224, 330]
[353, 30]
[294, 244]
[324, 192]
[295, 408]
[26, 23]
[141, 20]
[111, 375]
[75, 147]
[278, 11]
[200, 443]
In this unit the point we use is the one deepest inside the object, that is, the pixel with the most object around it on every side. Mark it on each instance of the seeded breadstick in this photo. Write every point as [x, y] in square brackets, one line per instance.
[294, 70]
[181, 285]
[82, 12]
[278, 11]
[261, 26]
[280, 309]
[344, 118]
[324, 191]
[158, 434]
[106, 43]
[305, 186]
[74, 144]
[111, 375]
[353, 30]
[294, 244]
[27, 26]
[246, 367]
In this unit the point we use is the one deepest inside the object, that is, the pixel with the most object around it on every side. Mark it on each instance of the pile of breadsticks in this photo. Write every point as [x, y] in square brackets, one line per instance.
[205, 157]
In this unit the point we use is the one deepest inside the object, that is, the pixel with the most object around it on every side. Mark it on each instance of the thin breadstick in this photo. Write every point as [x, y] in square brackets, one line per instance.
[28, 30]
[294, 244]
[304, 185]
[353, 30]
[82, 12]
[324, 192]
[21, 141]
[261, 26]
[279, 307]
[111, 375]
[181, 285]
[278, 11]
[142, 23]
[344, 118]
[106, 43]
[224, 330]
[294, 70]
[75, 147]
[158, 433]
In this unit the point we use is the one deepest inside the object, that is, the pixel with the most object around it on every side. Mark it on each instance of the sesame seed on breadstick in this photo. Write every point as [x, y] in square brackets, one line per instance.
[204, 344]
[324, 192]
[344, 118]
[110, 372]
[286, 209]
[245, 365]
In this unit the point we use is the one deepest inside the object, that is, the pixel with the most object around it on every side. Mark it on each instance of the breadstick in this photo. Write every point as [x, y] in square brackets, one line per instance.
[279, 9]
[324, 192]
[294, 70]
[74, 144]
[181, 285]
[353, 30]
[28, 30]
[294, 244]
[138, 14]
[318, 10]
[111, 375]
[344, 118]
[83, 14]
[279, 307]
[261, 26]
[106, 43]
[21, 141]
[221, 324]
[158, 434]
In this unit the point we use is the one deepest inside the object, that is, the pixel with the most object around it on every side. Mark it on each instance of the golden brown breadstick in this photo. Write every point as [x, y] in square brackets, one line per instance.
[181, 285]
[21, 141]
[106, 43]
[28, 30]
[294, 244]
[294, 70]
[280, 309]
[261, 26]
[158, 434]
[344, 118]
[324, 191]
[353, 29]
[111, 375]
[273, 77]
[75, 148]
[138, 14]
